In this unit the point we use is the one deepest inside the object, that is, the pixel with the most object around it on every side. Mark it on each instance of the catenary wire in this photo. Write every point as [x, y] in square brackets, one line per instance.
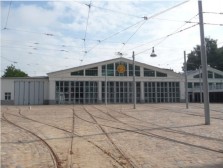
[219, 13]
[169, 36]
[115, 11]
[9, 60]
[145, 19]
[153, 16]
[164, 37]
[27, 31]
[131, 37]
[84, 39]
[176, 31]
[6, 22]
[111, 10]
[115, 34]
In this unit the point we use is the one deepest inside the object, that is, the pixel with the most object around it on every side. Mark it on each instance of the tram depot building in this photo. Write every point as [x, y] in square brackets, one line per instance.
[86, 85]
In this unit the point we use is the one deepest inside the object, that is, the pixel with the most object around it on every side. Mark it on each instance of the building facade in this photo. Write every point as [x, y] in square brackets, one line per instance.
[87, 85]
[215, 82]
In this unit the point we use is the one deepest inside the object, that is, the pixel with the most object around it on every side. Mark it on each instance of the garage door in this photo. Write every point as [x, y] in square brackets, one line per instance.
[29, 92]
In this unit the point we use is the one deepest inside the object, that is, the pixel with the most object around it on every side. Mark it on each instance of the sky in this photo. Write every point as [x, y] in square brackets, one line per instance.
[39, 37]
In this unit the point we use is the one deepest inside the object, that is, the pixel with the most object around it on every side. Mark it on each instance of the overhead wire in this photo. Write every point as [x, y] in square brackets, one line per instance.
[74, 38]
[27, 31]
[89, 8]
[15, 62]
[115, 34]
[111, 10]
[50, 34]
[116, 11]
[163, 38]
[145, 19]
[215, 24]
[6, 22]
[219, 13]
[178, 30]
[161, 12]
[34, 48]
[84, 39]
[100, 41]
[154, 15]
[166, 36]
[39, 46]
[131, 37]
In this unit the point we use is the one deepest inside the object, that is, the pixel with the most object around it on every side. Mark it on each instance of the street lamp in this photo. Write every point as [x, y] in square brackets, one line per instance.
[134, 80]
[153, 53]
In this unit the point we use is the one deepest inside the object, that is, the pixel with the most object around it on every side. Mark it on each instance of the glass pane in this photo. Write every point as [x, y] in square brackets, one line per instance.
[149, 73]
[91, 71]
[77, 73]
[160, 74]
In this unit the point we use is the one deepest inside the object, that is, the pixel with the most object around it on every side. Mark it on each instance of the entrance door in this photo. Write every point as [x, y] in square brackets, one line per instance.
[29, 92]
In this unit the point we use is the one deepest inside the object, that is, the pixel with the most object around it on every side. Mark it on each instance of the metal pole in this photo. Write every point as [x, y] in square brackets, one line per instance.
[204, 66]
[106, 101]
[200, 84]
[185, 72]
[134, 81]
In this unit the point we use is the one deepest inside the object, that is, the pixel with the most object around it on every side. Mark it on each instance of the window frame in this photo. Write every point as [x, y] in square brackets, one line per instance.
[8, 95]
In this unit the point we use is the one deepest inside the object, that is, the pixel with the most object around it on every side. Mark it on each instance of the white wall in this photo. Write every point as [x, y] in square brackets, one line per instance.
[7, 85]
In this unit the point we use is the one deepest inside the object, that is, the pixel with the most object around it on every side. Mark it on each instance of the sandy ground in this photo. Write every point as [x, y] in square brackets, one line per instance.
[113, 136]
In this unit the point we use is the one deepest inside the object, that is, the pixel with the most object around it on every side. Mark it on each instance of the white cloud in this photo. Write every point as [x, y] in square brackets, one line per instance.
[66, 20]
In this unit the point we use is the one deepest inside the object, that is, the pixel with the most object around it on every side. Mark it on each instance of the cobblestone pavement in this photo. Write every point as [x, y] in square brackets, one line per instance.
[112, 136]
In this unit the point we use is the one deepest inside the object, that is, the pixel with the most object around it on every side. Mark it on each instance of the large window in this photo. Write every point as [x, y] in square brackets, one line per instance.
[160, 74]
[189, 85]
[77, 73]
[149, 72]
[7, 95]
[210, 74]
[218, 75]
[150, 92]
[198, 75]
[91, 71]
[110, 70]
[162, 92]
[120, 92]
[76, 92]
[137, 70]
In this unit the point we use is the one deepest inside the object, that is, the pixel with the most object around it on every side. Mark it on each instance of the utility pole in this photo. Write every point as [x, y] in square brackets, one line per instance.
[185, 73]
[200, 85]
[134, 81]
[204, 66]
[106, 94]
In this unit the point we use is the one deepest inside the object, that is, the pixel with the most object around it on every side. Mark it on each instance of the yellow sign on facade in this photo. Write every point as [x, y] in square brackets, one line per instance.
[121, 68]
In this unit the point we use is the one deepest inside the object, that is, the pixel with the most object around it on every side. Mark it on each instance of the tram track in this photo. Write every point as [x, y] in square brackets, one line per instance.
[55, 159]
[159, 126]
[193, 105]
[187, 113]
[125, 161]
[153, 135]
[70, 151]
[107, 153]
[69, 163]
[142, 131]
[169, 130]
[133, 129]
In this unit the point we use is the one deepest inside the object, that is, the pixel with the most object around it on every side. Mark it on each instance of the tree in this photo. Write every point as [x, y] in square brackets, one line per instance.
[214, 56]
[11, 71]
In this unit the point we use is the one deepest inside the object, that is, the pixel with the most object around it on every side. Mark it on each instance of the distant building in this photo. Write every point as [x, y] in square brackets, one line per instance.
[195, 85]
[86, 85]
